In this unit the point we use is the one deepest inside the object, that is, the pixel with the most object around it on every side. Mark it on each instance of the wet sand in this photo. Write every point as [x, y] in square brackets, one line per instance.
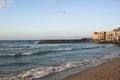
[109, 70]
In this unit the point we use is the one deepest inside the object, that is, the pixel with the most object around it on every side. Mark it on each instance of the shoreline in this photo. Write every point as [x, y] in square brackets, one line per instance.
[64, 75]
[72, 71]
[109, 70]
[54, 73]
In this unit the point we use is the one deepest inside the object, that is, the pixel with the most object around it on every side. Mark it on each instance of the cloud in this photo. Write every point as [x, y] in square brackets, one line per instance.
[59, 11]
[62, 11]
[10, 2]
[2, 3]
[5, 3]
[53, 1]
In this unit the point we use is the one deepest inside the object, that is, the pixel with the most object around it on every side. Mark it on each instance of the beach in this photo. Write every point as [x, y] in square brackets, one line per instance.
[109, 70]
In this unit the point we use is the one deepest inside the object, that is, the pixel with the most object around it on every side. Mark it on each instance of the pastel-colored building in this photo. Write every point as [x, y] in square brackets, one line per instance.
[109, 36]
[116, 34]
[95, 35]
[99, 35]
[113, 35]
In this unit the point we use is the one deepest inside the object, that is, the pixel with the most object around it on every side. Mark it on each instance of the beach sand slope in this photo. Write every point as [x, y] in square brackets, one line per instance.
[109, 70]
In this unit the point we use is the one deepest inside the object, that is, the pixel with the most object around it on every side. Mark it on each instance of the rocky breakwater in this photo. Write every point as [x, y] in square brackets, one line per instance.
[64, 41]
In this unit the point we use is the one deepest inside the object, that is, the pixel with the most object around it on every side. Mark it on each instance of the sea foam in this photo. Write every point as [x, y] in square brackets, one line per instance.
[43, 71]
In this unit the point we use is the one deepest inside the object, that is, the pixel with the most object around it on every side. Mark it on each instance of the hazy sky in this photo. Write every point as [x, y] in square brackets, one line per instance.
[47, 19]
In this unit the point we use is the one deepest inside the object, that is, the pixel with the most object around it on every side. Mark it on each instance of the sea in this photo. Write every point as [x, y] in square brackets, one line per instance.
[27, 60]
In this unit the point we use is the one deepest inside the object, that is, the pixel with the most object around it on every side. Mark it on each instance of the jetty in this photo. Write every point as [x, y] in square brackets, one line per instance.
[64, 41]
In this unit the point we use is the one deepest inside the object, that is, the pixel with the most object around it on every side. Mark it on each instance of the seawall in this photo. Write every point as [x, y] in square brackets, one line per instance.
[64, 41]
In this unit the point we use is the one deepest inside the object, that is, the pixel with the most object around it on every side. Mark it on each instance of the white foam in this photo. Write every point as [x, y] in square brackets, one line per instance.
[12, 55]
[2, 55]
[111, 56]
[63, 49]
[43, 71]
[11, 49]
[35, 47]
[28, 53]
[37, 42]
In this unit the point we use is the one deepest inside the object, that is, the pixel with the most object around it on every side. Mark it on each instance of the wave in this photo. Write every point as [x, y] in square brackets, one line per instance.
[45, 52]
[14, 64]
[63, 49]
[37, 42]
[7, 49]
[43, 71]
[28, 53]
[72, 49]
[16, 55]
[23, 47]
[25, 54]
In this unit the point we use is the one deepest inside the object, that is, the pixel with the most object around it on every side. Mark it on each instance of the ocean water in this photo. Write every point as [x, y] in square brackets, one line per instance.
[28, 60]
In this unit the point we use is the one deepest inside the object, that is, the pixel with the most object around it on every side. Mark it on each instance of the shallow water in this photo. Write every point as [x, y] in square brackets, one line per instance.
[38, 60]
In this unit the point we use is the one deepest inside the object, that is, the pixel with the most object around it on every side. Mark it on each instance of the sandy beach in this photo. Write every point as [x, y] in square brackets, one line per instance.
[109, 70]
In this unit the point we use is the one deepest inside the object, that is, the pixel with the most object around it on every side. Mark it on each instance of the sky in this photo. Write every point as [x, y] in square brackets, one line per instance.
[56, 19]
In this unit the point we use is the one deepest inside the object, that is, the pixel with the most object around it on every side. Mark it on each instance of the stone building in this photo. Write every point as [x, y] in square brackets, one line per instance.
[95, 35]
[109, 36]
[116, 34]
[99, 35]
[113, 35]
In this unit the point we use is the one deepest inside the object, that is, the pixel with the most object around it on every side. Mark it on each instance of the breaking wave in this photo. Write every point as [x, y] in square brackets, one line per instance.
[43, 71]
[25, 54]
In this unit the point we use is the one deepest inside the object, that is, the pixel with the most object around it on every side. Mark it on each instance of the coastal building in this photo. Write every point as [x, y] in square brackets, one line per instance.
[109, 36]
[99, 35]
[113, 35]
[116, 34]
[95, 35]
